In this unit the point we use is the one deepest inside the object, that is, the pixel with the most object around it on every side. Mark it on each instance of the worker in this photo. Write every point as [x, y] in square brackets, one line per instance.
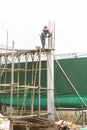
[45, 33]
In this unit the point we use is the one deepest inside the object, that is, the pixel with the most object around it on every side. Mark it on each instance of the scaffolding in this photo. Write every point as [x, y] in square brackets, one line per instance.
[18, 56]
[15, 63]
[8, 60]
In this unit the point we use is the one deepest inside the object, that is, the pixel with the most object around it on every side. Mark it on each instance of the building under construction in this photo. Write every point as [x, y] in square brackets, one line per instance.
[21, 74]
[38, 83]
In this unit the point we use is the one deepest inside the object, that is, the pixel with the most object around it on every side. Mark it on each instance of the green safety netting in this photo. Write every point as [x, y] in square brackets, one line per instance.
[64, 94]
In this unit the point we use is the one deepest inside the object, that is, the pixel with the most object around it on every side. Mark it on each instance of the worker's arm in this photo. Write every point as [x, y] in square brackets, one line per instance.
[49, 34]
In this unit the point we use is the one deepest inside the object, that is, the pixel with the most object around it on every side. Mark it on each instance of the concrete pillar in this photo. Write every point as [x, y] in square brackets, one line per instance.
[50, 76]
[50, 85]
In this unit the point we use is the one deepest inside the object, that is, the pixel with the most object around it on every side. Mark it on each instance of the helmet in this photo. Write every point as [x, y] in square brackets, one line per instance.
[45, 28]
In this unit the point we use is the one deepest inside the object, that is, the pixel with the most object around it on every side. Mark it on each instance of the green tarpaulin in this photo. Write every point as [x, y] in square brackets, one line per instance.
[64, 94]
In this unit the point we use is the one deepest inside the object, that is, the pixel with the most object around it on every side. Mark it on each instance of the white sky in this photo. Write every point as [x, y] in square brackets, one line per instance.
[24, 20]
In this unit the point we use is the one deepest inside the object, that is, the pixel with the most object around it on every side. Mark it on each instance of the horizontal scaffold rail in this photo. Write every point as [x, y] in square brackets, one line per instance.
[22, 51]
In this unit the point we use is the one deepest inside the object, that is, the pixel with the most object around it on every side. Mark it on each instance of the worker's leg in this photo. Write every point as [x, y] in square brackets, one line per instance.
[43, 43]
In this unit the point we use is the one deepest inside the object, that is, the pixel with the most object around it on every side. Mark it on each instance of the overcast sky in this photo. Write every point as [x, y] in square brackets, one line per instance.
[24, 20]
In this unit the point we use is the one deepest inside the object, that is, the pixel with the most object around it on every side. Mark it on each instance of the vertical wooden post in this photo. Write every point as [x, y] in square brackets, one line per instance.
[12, 81]
[25, 81]
[32, 99]
[39, 84]
[18, 83]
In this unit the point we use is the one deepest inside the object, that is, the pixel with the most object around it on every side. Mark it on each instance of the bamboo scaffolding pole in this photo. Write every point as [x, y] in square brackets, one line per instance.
[39, 84]
[9, 69]
[12, 80]
[5, 85]
[32, 56]
[25, 79]
[5, 80]
[22, 89]
[32, 102]
[18, 81]
[23, 104]
[32, 95]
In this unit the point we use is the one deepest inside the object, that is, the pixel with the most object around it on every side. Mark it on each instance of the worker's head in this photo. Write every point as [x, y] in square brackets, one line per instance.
[45, 28]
